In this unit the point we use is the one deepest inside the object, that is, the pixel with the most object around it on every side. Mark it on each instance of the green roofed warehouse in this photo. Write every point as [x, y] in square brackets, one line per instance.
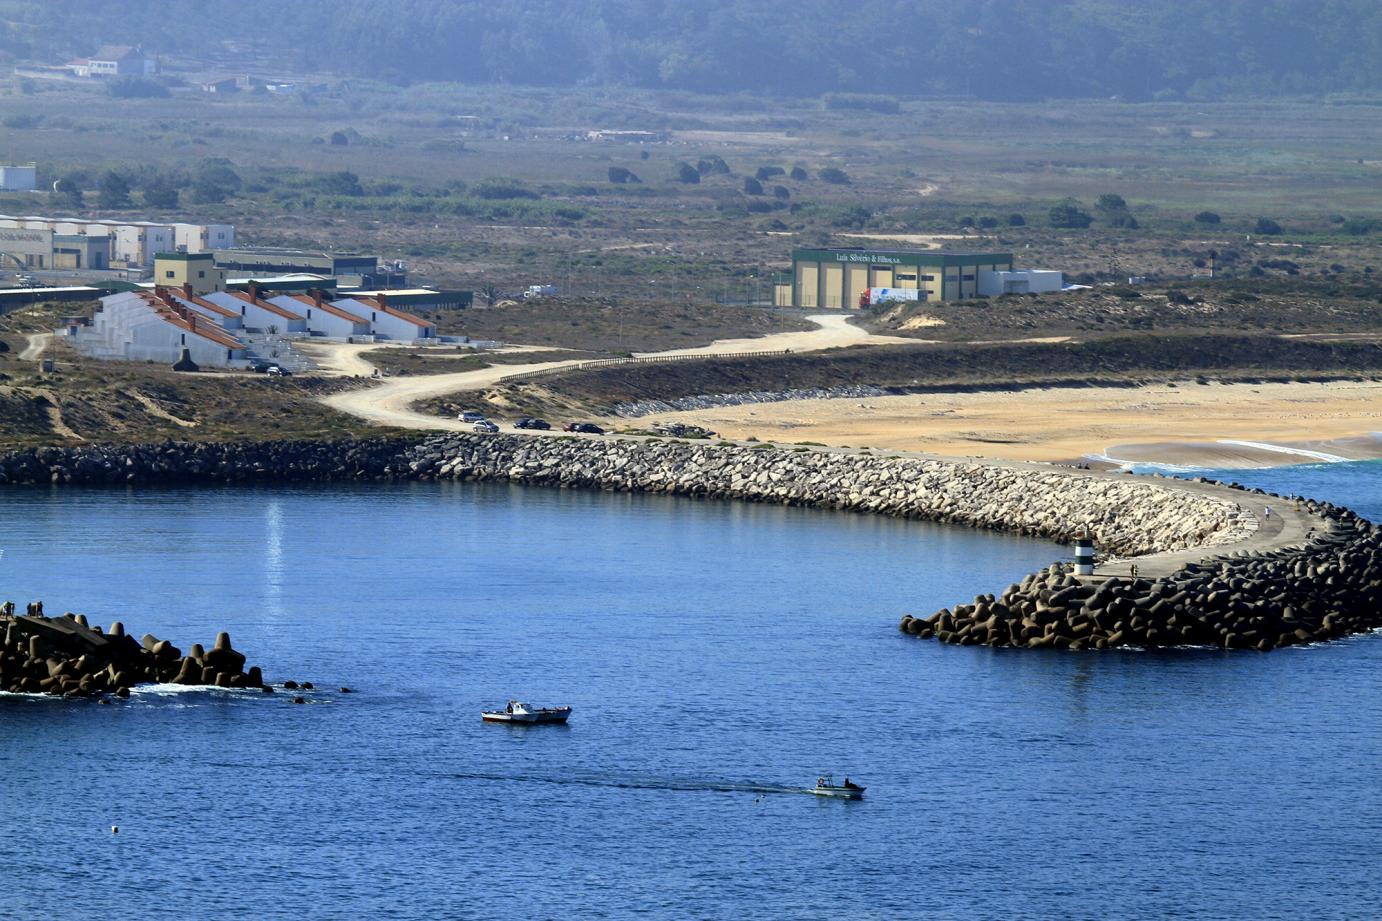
[853, 278]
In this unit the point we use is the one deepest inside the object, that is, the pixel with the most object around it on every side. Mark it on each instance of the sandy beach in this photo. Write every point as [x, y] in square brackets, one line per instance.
[1213, 425]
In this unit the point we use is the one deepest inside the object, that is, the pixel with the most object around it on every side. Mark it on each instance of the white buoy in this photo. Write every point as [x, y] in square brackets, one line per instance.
[1084, 556]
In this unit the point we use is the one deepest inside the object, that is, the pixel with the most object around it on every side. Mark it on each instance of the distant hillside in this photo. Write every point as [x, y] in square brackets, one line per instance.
[991, 49]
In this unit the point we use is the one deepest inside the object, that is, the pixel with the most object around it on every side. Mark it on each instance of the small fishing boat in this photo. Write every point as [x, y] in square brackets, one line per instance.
[519, 712]
[826, 786]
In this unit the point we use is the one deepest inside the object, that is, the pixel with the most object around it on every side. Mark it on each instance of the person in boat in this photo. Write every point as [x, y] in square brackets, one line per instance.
[850, 785]
[820, 781]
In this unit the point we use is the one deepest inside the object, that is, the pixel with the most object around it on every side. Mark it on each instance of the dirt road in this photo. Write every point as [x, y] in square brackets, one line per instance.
[389, 402]
[37, 343]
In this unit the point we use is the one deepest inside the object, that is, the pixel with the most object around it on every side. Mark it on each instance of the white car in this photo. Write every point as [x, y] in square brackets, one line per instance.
[471, 415]
[486, 426]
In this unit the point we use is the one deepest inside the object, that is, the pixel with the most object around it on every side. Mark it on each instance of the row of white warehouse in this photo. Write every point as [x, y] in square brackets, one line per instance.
[124, 244]
[225, 329]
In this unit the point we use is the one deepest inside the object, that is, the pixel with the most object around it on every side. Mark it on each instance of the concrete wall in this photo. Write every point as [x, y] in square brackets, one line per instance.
[18, 178]
[1021, 281]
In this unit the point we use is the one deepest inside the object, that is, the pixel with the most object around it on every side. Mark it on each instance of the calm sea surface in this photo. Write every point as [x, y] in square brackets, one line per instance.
[718, 657]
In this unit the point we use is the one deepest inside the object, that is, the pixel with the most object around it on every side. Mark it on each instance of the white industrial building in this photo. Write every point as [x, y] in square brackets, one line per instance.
[230, 329]
[202, 238]
[132, 244]
[229, 320]
[18, 178]
[260, 314]
[153, 326]
[1020, 281]
[325, 318]
[387, 322]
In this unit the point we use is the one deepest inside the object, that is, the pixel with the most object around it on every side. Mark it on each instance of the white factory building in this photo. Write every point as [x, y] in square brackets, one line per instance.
[230, 329]
[325, 318]
[1020, 281]
[259, 313]
[144, 326]
[388, 322]
[129, 244]
[18, 178]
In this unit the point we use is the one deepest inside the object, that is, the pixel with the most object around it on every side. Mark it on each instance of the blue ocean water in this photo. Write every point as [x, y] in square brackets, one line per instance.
[717, 656]
[1356, 485]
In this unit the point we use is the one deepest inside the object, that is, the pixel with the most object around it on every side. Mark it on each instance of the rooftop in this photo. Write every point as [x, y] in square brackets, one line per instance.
[907, 253]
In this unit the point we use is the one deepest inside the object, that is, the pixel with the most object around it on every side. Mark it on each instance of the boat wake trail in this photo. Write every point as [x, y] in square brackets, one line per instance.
[637, 783]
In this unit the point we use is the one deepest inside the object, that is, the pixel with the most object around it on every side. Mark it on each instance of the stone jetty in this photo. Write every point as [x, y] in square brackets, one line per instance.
[1213, 593]
[70, 657]
[1329, 587]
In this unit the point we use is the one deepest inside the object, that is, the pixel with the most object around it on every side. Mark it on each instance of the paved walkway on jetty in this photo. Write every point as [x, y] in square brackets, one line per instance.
[1286, 526]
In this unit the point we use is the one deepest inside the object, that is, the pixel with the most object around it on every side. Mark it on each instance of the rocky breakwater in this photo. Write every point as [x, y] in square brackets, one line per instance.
[1126, 515]
[67, 656]
[176, 461]
[1328, 587]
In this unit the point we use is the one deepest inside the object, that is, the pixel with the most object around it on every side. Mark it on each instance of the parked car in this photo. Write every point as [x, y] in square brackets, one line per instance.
[587, 428]
[471, 415]
[278, 371]
[527, 422]
[259, 365]
[486, 426]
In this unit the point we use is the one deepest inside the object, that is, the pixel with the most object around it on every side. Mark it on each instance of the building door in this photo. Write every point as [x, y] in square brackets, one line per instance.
[807, 281]
[833, 286]
[858, 284]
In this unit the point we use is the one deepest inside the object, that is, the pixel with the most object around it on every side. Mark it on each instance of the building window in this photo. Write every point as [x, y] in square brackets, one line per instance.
[201, 274]
[928, 278]
[901, 277]
[168, 274]
[967, 277]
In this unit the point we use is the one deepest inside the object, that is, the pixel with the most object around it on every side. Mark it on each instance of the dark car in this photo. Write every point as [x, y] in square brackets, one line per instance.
[527, 422]
[586, 428]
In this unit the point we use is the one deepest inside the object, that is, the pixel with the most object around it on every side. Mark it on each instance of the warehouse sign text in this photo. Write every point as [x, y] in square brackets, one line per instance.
[875, 258]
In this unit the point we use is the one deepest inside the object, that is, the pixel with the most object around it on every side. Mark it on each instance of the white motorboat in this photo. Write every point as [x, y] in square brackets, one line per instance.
[518, 712]
[826, 786]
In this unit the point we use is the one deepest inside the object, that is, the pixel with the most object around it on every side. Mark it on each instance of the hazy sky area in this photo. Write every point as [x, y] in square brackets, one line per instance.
[990, 49]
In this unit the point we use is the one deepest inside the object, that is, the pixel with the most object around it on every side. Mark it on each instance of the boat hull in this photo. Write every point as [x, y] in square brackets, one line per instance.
[542, 716]
[839, 792]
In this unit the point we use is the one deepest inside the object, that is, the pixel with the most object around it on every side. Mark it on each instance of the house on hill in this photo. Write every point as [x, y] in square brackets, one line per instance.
[117, 61]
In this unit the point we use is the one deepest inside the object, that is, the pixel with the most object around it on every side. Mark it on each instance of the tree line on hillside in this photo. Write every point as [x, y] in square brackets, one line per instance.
[990, 49]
